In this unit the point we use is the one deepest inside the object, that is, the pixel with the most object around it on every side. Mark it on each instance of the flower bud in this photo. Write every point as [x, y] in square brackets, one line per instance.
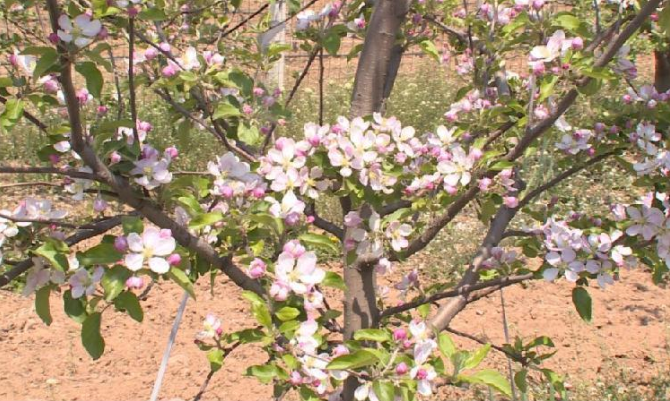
[169, 71]
[174, 259]
[115, 157]
[102, 110]
[399, 334]
[577, 43]
[134, 283]
[401, 369]
[121, 244]
[257, 268]
[54, 159]
[511, 201]
[151, 53]
[99, 204]
[172, 152]
[53, 38]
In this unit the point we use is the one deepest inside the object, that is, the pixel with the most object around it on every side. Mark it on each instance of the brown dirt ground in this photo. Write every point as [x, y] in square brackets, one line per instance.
[629, 331]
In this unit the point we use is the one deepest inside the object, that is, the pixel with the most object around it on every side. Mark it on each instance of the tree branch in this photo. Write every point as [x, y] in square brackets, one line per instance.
[90, 231]
[494, 284]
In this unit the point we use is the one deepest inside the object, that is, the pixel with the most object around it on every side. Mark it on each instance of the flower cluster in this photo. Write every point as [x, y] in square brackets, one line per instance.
[152, 168]
[576, 254]
[296, 272]
[652, 223]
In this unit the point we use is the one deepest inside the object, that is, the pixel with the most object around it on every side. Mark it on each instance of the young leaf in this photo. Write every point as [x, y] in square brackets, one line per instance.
[287, 313]
[334, 280]
[90, 336]
[384, 390]
[446, 345]
[128, 301]
[94, 80]
[582, 301]
[490, 378]
[42, 306]
[114, 281]
[179, 277]
[215, 358]
[477, 357]
[354, 360]
[376, 335]
[102, 254]
[74, 308]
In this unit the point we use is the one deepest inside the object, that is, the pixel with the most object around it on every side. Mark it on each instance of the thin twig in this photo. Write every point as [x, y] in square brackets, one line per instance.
[131, 77]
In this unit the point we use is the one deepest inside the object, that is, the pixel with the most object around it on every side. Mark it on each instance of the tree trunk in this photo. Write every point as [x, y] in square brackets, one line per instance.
[376, 72]
[662, 70]
[380, 57]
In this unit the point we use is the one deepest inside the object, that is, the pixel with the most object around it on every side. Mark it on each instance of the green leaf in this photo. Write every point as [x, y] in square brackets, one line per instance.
[179, 277]
[319, 241]
[205, 219]
[334, 280]
[354, 360]
[42, 304]
[332, 43]
[520, 380]
[264, 373]
[102, 254]
[490, 378]
[446, 345]
[114, 281]
[582, 301]
[74, 308]
[262, 314]
[569, 22]
[132, 224]
[127, 301]
[54, 251]
[248, 134]
[287, 313]
[226, 110]
[48, 59]
[547, 87]
[215, 358]
[153, 14]
[430, 49]
[90, 336]
[384, 390]
[376, 335]
[477, 357]
[501, 165]
[94, 80]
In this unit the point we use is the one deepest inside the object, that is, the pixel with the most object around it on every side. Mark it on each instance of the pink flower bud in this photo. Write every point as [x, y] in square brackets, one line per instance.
[654, 17]
[537, 4]
[451, 190]
[102, 110]
[511, 201]
[599, 127]
[591, 152]
[422, 374]
[53, 38]
[258, 192]
[121, 244]
[349, 244]
[295, 378]
[399, 334]
[99, 204]
[226, 191]
[135, 283]
[309, 219]
[401, 369]
[628, 99]
[54, 159]
[651, 104]
[103, 34]
[281, 122]
[151, 53]
[13, 60]
[484, 184]
[174, 259]
[340, 350]
[133, 11]
[577, 43]
[246, 109]
[407, 344]
[172, 152]
[476, 154]
[169, 71]
[258, 91]
[51, 86]
[257, 268]
[82, 96]
[115, 157]
[292, 219]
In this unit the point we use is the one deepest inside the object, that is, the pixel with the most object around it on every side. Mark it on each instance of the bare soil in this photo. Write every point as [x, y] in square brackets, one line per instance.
[629, 333]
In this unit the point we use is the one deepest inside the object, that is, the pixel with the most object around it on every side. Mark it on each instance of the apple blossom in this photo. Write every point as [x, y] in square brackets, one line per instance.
[153, 245]
[84, 283]
[82, 32]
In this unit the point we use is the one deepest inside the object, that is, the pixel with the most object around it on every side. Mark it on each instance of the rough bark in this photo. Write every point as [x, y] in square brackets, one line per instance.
[662, 70]
[379, 58]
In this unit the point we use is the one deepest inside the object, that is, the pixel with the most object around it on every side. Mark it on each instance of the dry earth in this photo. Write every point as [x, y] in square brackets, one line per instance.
[629, 332]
